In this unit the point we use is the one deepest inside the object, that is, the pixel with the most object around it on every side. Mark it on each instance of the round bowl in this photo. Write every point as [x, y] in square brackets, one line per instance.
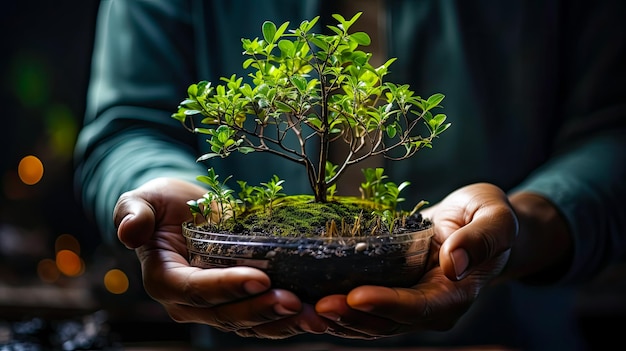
[313, 267]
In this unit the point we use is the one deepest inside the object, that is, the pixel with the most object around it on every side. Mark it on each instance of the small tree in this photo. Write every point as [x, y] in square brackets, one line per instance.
[322, 90]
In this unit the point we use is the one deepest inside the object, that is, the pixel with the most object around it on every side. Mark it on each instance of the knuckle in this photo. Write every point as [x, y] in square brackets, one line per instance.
[224, 323]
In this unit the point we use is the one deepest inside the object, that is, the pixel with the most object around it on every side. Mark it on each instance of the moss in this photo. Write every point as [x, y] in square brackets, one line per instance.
[299, 216]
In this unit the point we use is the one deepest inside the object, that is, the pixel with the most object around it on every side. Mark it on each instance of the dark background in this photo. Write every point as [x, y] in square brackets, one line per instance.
[46, 53]
[44, 71]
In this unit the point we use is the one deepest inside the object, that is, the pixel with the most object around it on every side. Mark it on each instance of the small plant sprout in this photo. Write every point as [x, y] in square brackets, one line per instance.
[249, 195]
[320, 89]
[271, 191]
[219, 194]
[388, 219]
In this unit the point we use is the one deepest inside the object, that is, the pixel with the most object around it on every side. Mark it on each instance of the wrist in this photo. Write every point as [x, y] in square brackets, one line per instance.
[543, 249]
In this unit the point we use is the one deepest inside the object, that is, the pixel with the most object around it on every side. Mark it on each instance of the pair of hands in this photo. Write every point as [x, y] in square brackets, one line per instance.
[475, 229]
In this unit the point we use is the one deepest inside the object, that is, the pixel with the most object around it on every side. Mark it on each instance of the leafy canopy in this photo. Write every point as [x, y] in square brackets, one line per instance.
[320, 89]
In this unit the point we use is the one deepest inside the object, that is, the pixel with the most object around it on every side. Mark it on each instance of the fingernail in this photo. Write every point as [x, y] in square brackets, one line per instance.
[253, 287]
[314, 328]
[460, 261]
[283, 311]
[120, 227]
[126, 218]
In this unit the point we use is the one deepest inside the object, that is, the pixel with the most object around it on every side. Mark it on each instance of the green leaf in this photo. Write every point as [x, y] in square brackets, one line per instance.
[442, 128]
[319, 42]
[315, 121]
[287, 47]
[180, 116]
[280, 31]
[339, 18]
[192, 90]
[359, 58]
[439, 118]
[283, 107]
[336, 29]
[191, 112]
[361, 38]
[248, 62]
[223, 137]
[434, 100]
[193, 205]
[299, 82]
[269, 30]
[205, 179]
[204, 87]
[344, 23]
[204, 130]
[207, 156]
[306, 26]
[435, 121]
[428, 116]
[245, 149]
[247, 91]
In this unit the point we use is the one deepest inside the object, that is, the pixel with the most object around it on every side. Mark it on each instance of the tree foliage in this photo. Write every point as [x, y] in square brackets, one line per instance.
[320, 89]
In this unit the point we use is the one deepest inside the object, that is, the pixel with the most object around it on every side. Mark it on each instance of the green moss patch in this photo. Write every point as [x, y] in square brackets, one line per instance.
[299, 217]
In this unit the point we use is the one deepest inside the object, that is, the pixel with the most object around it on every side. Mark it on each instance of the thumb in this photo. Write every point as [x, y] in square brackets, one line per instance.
[134, 219]
[490, 233]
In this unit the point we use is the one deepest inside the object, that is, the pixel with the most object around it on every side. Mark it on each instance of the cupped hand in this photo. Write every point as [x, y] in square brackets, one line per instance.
[237, 299]
[475, 227]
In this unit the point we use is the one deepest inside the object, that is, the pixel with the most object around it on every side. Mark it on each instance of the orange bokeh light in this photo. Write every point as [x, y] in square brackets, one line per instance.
[69, 263]
[30, 170]
[116, 281]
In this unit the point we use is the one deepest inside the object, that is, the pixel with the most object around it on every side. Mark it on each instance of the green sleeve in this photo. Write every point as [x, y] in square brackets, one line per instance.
[141, 66]
[587, 184]
[536, 96]
[586, 178]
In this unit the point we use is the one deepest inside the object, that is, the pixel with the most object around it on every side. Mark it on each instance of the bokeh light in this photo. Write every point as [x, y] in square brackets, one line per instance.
[69, 263]
[31, 79]
[67, 242]
[116, 281]
[62, 128]
[47, 271]
[30, 170]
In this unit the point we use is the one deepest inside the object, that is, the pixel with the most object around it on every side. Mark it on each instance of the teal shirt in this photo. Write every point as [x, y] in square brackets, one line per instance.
[534, 90]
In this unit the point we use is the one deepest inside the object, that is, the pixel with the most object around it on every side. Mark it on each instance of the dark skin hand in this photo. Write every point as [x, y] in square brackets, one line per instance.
[234, 299]
[498, 236]
[478, 219]
[475, 228]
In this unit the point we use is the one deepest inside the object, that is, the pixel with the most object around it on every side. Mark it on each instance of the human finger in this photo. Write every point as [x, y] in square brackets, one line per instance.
[134, 219]
[491, 231]
[307, 321]
[246, 313]
[178, 283]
